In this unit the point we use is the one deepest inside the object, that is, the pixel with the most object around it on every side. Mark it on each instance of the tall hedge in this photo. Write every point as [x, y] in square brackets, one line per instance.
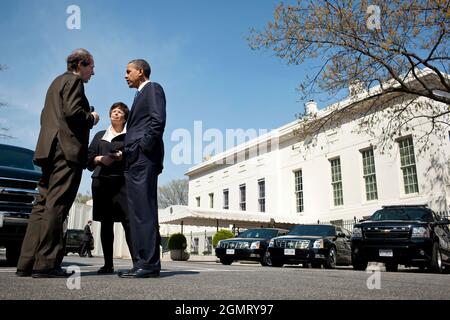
[221, 235]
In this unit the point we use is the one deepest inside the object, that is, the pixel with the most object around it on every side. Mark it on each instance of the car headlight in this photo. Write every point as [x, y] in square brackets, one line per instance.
[357, 232]
[420, 232]
[318, 244]
[271, 244]
[255, 245]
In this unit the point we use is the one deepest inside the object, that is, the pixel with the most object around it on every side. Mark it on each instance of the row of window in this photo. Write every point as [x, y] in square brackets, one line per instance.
[242, 197]
[407, 165]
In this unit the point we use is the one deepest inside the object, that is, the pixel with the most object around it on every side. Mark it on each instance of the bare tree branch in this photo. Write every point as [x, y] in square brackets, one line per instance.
[407, 55]
[173, 193]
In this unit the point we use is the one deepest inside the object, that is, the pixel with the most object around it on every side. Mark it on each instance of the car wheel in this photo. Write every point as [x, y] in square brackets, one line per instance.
[277, 264]
[359, 263]
[331, 259]
[422, 268]
[436, 259]
[391, 266]
[226, 261]
[265, 261]
[306, 265]
[13, 253]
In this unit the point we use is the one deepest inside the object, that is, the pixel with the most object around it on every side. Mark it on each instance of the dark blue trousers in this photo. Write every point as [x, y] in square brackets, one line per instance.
[141, 178]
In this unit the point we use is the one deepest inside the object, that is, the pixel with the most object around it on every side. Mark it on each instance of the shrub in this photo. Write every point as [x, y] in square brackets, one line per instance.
[177, 241]
[221, 235]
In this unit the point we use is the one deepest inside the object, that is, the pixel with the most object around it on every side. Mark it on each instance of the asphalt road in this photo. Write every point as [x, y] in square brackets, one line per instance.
[199, 280]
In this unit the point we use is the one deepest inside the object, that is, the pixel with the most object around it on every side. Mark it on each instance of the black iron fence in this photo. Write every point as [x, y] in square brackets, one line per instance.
[444, 214]
[346, 224]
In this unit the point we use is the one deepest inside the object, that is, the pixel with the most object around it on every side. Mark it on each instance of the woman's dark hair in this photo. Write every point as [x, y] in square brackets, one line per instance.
[122, 106]
[77, 56]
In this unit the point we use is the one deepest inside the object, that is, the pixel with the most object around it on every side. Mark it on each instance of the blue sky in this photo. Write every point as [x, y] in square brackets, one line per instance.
[197, 50]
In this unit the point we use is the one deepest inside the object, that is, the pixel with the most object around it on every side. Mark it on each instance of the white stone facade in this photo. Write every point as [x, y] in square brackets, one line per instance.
[289, 153]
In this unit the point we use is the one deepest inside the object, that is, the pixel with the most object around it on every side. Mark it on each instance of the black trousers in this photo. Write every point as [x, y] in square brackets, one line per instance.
[107, 238]
[43, 245]
[141, 178]
[86, 248]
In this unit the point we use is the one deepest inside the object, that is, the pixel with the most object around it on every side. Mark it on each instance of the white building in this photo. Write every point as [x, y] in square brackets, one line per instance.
[333, 175]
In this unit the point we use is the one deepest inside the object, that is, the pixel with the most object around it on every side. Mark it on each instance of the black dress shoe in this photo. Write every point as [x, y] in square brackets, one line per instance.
[140, 273]
[23, 273]
[52, 273]
[105, 270]
[128, 271]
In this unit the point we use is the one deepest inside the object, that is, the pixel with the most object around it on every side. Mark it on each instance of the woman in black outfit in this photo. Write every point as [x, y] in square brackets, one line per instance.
[108, 182]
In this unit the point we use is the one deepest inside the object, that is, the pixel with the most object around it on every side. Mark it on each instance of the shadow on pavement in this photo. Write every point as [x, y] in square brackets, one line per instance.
[163, 274]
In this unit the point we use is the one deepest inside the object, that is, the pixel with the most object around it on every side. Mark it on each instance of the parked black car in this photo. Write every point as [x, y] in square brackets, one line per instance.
[315, 244]
[249, 245]
[18, 182]
[74, 241]
[410, 235]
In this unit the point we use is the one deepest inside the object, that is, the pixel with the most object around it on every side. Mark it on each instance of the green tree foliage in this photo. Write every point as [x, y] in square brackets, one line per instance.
[221, 235]
[177, 241]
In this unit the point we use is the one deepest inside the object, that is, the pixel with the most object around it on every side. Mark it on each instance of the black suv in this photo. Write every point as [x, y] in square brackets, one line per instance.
[312, 244]
[18, 182]
[410, 235]
[249, 245]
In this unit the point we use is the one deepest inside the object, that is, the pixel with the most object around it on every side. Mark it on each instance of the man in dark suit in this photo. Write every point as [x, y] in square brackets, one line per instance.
[88, 239]
[144, 153]
[61, 152]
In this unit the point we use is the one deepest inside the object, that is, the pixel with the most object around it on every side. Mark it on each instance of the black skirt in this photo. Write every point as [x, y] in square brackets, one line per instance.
[109, 199]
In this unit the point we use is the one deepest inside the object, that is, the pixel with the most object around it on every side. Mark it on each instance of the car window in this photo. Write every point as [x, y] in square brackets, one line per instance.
[421, 214]
[259, 233]
[313, 230]
[17, 158]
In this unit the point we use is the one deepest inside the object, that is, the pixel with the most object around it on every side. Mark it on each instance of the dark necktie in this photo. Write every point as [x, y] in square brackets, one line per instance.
[136, 95]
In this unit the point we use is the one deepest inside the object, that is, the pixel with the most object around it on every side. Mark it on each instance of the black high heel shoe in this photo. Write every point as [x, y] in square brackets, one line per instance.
[105, 270]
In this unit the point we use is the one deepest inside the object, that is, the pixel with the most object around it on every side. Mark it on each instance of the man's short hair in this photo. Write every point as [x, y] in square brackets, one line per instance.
[77, 56]
[143, 65]
[122, 106]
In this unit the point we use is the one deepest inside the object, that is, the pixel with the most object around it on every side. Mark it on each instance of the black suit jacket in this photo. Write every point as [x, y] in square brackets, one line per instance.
[145, 125]
[67, 117]
[87, 235]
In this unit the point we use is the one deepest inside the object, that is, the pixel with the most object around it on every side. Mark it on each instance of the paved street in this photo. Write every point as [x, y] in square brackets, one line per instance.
[210, 280]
